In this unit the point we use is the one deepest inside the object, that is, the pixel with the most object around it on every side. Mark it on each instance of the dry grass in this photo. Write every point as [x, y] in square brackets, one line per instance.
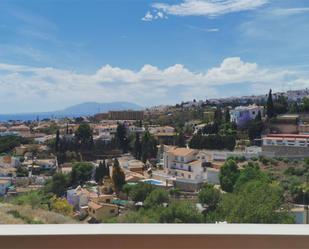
[36, 215]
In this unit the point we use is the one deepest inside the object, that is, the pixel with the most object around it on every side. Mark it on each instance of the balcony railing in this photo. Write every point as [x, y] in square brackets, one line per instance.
[154, 236]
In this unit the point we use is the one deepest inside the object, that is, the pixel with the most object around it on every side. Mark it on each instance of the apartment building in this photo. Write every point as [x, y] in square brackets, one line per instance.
[286, 145]
[126, 115]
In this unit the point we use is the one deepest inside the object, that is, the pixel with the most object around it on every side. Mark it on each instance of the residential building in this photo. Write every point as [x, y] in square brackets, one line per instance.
[187, 163]
[241, 115]
[126, 115]
[164, 134]
[285, 124]
[21, 130]
[99, 211]
[285, 145]
[79, 197]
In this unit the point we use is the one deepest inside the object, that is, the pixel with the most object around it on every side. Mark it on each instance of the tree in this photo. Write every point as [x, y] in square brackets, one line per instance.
[140, 191]
[213, 142]
[281, 105]
[180, 212]
[58, 184]
[7, 143]
[251, 172]
[107, 172]
[156, 198]
[270, 105]
[84, 138]
[149, 146]
[255, 202]
[22, 171]
[57, 142]
[100, 172]
[227, 116]
[61, 205]
[209, 196]
[255, 129]
[81, 173]
[121, 137]
[305, 104]
[258, 117]
[118, 176]
[228, 176]
[137, 150]
[180, 140]
[218, 115]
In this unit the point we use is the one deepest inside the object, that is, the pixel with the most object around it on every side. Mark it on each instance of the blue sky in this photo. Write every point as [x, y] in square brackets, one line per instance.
[57, 53]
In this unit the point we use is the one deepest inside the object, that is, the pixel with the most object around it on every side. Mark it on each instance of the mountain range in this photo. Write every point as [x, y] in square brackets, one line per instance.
[84, 109]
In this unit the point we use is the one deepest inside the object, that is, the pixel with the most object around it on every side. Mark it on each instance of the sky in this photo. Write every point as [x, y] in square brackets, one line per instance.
[54, 54]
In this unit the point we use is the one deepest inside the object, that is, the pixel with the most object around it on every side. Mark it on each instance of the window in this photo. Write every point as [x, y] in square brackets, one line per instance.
[112, 211]
[189, 168]
[189, 176]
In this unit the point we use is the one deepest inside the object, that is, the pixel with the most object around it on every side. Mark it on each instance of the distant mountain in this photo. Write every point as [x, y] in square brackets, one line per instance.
[84, 109]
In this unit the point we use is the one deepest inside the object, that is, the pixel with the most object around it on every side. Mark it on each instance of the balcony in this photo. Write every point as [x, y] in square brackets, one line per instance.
[154, 236]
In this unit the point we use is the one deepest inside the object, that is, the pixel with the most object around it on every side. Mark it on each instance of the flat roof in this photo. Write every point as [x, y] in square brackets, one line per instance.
[287, 136]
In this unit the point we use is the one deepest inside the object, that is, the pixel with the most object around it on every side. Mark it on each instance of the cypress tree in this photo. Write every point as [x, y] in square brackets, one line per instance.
[137, 147]
[118, 176]
[100, 173]
[227, 115]
[270, 105]
[57, 142]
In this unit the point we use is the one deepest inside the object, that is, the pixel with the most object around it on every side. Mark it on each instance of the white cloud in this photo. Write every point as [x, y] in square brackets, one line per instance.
[289, 11]
[148, 17]
[50, 88]
[153, 16]
[208, 8]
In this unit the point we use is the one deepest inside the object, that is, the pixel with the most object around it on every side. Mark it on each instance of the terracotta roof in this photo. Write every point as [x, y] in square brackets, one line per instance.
[94, 205]
[181, 151]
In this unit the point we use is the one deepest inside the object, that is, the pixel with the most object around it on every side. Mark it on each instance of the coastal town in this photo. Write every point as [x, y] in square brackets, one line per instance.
[235, 160]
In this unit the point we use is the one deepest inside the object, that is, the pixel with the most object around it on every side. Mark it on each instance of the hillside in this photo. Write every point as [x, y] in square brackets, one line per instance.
[23, 214]
[84, 109]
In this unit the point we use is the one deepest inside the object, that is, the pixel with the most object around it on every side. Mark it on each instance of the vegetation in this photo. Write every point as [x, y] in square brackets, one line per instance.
[58, 185]
[101, 171]
[149, 147]
[81, 173]
[229, 174]
[118, 176]
[270, 105]
[7, 143]
[212, 142]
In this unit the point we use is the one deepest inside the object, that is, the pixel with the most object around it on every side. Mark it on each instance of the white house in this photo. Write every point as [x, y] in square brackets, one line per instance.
[189, 164]
[79, 197]
[240, 115]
